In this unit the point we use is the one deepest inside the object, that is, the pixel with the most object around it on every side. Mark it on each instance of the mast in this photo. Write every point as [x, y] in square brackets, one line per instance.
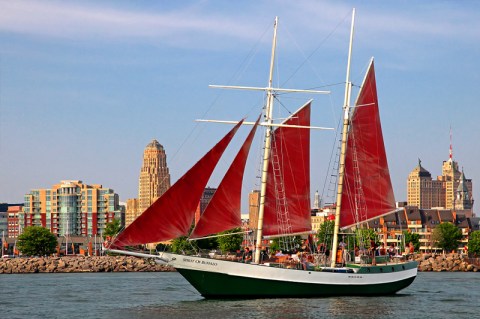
[267, 147]
[341, 168]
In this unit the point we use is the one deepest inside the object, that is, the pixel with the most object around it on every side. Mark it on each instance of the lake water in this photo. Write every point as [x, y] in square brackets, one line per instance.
[168, 295]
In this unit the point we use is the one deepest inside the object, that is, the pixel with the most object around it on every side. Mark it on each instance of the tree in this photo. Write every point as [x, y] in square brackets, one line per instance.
[37, 241]
[230, 242]
[447, 236]
[112, 228]
[364, 236]
[325, 233]
[181, 245]
[207, 243]
[474, 243]
[412, 237]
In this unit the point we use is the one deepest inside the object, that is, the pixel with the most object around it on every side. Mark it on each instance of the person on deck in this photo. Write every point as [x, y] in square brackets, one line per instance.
[382, 251]
[373, 249]
[247, 255]
[239, 255]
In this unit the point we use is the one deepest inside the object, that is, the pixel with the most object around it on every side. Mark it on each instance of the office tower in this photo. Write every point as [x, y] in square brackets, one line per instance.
[154, 176]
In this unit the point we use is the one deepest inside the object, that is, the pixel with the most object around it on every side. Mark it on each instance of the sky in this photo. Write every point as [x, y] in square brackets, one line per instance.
[86, 85]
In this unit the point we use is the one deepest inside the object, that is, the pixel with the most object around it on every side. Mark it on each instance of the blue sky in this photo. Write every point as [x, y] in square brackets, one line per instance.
[86, 85]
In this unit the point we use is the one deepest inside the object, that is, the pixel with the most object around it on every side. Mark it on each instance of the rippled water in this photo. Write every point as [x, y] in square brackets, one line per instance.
[168, 295]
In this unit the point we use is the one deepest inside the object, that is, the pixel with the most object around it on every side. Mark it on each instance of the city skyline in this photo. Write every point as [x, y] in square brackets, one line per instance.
[85, 85]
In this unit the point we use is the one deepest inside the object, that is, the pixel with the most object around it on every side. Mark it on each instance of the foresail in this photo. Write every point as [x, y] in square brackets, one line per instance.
[171, 215]
[223, 211]
[367, 190]
[287, 200]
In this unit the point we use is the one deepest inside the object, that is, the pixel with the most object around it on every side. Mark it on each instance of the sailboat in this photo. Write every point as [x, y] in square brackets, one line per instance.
[364, 192]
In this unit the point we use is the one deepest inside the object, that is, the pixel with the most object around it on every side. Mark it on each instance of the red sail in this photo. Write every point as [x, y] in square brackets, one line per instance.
[287, 201]
[223, 211]
[171, 215]
[367, 190]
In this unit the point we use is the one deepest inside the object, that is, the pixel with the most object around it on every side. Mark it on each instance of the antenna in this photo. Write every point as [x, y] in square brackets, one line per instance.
[451, 149]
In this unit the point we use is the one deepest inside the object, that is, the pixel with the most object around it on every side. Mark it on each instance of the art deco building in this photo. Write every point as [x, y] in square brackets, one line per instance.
[253, 208]
[207, 195]
[451, 190]
[71, 208]
[154, 176]
[131, 211]
[422, 191]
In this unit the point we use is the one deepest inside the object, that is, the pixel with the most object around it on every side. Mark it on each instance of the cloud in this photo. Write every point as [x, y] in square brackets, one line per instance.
[77, 21]
[199, 21]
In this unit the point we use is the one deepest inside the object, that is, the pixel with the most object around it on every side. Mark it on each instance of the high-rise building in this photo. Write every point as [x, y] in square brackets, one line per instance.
[253, 208]
[131, 211]
[154, 176]
[207, 195]
[71, 208]
[451, 190]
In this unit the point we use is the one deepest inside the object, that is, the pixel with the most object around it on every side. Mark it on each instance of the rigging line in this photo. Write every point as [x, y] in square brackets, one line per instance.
[283, 105]
[322, 42]
[332, 157]
[236, 75]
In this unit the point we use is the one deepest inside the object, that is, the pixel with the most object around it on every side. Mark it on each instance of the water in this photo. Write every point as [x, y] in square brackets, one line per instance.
[168, 295]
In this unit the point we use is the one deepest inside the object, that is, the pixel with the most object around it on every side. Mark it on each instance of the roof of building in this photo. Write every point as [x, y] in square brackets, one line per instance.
[420, 171]
[155, 145]
[430, 217]
[446, 215]
[474, 223]
[462, 186]
[462, 221]
[413, 213]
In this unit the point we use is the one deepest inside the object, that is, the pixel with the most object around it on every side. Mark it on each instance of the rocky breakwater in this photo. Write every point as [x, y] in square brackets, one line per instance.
[79, 264]
[444, 262]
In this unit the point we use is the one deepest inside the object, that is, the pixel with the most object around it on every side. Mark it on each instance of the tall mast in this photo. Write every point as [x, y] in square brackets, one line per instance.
[267, 147]
[341, 168]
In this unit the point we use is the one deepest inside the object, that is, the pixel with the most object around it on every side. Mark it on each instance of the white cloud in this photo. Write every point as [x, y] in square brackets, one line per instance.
[197, 22]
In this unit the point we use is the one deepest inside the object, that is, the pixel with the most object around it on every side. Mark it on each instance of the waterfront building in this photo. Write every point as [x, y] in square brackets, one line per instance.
[3, 219]
[14, 223]
[154, 177]
[390, 228]
[71, 208]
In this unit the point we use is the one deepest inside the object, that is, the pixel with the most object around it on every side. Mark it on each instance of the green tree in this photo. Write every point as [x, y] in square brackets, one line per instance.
[474, 243]
[207, 243]
[447, 236]
[181, 245]
[231, 242]
[411, 237]
[325, 233]
[364, 236]
[112, 228]
[37, 241]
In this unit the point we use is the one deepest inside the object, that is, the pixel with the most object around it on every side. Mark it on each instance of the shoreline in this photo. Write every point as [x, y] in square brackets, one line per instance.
[79, 264]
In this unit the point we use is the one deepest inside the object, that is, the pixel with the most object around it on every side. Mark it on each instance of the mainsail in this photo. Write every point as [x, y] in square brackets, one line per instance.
[287, 200]
[171, 215]
[223, 211]
[368, 191]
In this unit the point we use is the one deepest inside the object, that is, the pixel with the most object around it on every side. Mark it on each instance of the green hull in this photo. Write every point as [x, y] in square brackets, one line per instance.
[220, 285]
